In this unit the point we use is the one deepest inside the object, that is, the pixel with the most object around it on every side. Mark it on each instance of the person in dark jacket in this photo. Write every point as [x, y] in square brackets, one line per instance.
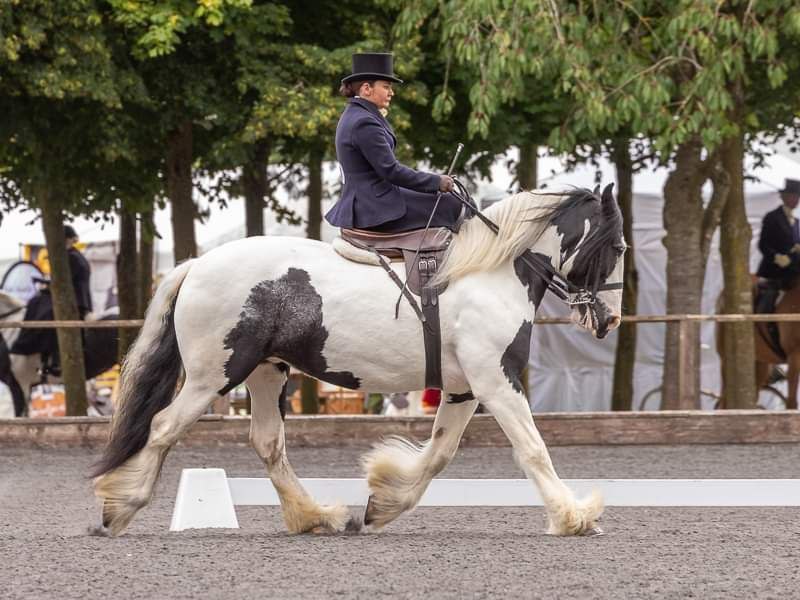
[81, 272]
[378, 192]
[779, 244]
[40, 308]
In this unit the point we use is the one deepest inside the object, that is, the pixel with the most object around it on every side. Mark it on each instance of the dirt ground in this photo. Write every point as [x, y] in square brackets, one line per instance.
[46, 506]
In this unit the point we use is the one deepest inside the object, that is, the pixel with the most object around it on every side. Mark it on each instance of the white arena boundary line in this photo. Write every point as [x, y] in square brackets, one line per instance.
[207, 497]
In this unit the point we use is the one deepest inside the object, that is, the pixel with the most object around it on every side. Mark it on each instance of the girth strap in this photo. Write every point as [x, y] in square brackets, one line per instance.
[431, 329]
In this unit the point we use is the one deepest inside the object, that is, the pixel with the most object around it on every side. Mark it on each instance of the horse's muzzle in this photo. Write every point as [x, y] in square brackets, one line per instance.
[609, 326]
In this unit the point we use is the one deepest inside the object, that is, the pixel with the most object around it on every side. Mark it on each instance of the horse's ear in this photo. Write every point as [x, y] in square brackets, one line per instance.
[608, 193]
[596, 190]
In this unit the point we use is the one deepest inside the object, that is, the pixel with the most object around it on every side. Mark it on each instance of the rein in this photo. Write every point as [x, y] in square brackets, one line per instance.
[11, 312]
[559, 285]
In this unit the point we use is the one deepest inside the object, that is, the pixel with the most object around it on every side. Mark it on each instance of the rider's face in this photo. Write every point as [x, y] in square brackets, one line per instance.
[379, 94]
[790, 200]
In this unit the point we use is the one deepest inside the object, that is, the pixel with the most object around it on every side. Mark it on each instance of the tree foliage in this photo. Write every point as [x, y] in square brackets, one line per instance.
[658, 69]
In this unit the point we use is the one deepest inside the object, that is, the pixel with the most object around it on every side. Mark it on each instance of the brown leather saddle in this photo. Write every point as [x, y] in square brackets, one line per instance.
[422, 251]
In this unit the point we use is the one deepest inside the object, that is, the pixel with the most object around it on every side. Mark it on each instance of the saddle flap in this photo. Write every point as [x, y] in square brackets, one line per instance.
[420, 273]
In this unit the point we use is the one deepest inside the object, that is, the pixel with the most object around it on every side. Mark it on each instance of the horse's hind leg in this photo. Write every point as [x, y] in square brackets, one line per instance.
[129, 487]
[398, 472]
[300, 512]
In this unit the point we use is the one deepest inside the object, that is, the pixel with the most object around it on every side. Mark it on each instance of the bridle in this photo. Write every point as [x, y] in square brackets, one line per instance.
[559, 285]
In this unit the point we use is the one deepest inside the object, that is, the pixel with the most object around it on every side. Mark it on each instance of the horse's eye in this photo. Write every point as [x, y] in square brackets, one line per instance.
[619, 248]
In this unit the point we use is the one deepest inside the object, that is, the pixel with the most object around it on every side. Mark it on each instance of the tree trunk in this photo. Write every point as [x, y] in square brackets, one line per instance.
[309, 390]
[625, 357]
[144, 268]
[65, 307]
[127, 296]
[683, 221]
[738, 343]
[179, 189]
[528, 167]
[254, 182]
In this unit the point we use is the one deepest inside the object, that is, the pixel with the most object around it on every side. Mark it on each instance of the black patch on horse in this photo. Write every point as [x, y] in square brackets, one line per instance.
[536, 284]
[602, 246]
[459, 398]
[282, 318]
[515, 358]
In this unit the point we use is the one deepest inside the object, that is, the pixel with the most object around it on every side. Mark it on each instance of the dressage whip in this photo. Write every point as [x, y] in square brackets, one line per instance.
[459, 148]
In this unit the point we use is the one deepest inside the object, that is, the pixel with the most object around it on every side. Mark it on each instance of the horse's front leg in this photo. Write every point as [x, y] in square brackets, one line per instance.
[510, 408]
[398, 471]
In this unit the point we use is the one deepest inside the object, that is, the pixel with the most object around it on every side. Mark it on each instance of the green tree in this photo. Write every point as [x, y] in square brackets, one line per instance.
[186, 54]
[57, 74]
[667, 72]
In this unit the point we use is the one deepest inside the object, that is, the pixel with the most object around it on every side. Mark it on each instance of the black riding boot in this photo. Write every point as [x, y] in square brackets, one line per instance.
[767, 297]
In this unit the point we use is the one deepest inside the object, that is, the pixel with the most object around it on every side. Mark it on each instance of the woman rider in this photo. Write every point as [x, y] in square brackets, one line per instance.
[379, 193]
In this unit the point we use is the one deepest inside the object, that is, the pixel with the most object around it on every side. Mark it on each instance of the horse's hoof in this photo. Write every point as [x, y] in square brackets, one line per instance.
[99, 531]
[593, 532]
[353, 526]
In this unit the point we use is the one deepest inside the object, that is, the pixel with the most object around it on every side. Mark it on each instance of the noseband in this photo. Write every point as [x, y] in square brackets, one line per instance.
[559, 285]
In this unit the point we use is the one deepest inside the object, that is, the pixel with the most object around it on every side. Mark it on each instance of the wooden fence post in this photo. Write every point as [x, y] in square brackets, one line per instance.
[689, 363]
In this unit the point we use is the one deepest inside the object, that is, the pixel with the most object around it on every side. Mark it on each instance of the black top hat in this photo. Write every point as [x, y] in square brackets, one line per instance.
[69, 232]
[372, 65]
[792, 186]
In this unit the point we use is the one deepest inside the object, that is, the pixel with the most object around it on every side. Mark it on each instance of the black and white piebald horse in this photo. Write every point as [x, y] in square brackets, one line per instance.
[248, 309]
[22, 371]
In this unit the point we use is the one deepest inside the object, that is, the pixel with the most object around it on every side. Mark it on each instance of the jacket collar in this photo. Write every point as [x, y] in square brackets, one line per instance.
[369, 106]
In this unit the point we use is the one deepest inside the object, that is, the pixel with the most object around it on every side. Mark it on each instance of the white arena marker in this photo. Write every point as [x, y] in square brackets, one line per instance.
[203, 494]
[203, 500]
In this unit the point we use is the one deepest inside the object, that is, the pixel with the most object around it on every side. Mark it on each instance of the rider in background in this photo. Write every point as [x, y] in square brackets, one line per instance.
[40, 308]
[379, 193]
[779, 244]
[81, 273]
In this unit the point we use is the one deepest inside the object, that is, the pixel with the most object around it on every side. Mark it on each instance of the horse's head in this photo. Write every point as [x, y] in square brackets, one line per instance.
[588, 227]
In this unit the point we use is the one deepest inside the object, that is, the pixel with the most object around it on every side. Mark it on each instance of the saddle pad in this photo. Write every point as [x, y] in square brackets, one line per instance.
[346, 250]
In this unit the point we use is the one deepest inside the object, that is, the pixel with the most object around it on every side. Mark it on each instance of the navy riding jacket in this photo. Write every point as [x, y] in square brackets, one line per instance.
[777, 237]
[375, 185]
[81, 272]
